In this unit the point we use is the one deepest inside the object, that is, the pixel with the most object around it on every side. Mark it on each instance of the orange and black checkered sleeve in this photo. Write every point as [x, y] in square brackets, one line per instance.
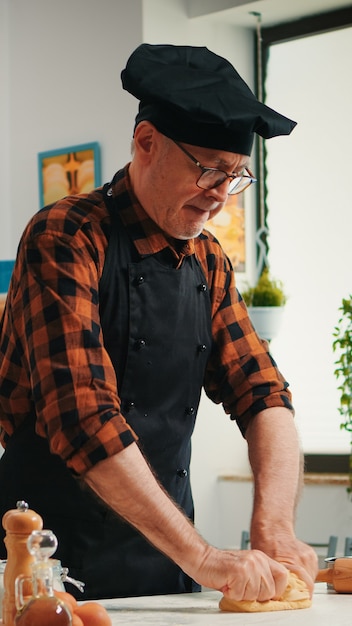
[55, 364]
[241, 373]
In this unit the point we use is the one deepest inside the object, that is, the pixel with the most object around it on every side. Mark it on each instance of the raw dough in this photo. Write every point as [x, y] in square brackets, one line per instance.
[296, 596]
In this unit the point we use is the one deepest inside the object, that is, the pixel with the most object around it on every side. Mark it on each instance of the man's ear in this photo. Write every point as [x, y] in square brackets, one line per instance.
[145, 136]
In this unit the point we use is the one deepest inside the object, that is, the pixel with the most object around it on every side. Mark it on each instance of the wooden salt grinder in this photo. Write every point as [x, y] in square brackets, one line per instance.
[18, 524]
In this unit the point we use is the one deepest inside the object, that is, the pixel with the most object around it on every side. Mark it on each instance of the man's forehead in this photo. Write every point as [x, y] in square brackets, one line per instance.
[220, 157]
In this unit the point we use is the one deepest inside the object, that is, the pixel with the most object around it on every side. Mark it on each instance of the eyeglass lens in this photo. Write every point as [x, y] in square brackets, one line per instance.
[213, 178]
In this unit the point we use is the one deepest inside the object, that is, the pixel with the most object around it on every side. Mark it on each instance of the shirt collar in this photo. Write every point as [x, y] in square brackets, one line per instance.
[146, 235]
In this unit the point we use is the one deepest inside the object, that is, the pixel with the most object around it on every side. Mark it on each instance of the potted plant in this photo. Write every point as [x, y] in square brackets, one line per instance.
[265, 302]
[342, 345]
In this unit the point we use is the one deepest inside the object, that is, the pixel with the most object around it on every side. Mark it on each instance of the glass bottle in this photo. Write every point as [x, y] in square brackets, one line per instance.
[2, 569]
[43, 608]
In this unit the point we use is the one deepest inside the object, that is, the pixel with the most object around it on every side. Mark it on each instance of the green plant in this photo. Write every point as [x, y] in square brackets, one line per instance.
[267, 292]
[342, 345]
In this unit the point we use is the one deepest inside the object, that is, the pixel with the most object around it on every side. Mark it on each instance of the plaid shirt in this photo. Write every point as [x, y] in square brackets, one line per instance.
[53, 363]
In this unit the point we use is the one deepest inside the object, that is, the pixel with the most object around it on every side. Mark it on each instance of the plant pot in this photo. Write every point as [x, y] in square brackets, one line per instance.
[266, 320]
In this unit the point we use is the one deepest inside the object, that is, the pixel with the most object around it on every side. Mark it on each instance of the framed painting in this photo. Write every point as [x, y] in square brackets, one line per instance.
[67, 171]
[229, 227]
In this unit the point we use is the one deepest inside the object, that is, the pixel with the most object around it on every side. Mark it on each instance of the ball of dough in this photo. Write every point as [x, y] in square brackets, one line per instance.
[295, 596]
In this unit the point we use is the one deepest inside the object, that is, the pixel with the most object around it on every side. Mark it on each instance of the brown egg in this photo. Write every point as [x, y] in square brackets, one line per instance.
[93, 614]
[68, 599]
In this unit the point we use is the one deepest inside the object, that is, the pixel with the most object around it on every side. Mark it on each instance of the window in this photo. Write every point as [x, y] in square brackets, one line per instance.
[309, 215]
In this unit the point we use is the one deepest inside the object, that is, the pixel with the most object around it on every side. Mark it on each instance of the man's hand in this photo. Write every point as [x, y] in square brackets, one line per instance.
[242, 575]
[297, 556]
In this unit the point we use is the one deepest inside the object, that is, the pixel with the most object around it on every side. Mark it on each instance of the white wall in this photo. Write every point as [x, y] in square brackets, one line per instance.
[6, 251]
[64, 88]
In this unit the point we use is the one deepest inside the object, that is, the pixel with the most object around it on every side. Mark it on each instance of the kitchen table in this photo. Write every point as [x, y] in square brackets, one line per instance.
[328, 609]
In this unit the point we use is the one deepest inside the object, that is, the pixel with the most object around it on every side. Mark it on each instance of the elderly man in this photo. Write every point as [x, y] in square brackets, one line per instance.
[120, 309]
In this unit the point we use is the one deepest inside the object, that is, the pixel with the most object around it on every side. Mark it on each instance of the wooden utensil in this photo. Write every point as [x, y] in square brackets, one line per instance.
[339, 575]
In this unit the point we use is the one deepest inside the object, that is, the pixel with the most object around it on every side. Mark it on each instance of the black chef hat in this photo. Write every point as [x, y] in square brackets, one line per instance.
[195, 96]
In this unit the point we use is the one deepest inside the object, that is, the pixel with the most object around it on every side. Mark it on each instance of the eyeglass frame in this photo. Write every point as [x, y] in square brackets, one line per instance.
[250, 177]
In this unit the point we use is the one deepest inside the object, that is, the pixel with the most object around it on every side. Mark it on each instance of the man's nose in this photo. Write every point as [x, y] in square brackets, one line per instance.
[221, 192]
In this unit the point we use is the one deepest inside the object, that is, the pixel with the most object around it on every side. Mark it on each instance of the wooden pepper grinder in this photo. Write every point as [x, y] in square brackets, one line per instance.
[18, 524]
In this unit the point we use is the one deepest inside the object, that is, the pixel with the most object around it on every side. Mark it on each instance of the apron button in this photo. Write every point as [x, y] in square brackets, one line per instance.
[130, 406]
[140, 344]
[139, 280]
[182, 473]
[202, 287]
[202, 347]
[190, 410]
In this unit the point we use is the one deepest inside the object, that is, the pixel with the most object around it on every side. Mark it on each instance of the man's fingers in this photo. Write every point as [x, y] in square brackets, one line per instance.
[261, 578]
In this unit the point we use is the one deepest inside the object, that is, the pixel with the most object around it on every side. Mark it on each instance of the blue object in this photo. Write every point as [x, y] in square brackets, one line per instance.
[6, 268]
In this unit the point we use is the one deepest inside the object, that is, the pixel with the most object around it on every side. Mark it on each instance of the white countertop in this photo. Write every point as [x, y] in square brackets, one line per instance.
[328, 609]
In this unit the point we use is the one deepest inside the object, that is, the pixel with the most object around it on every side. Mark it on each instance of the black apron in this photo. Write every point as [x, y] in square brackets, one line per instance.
[157, 330]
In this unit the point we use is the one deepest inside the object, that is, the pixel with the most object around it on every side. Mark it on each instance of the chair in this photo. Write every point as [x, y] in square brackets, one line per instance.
[348, 546]
[331, 545]
[245, 541]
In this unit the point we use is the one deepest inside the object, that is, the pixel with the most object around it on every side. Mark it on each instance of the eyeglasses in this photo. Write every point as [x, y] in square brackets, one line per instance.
[212, 177]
